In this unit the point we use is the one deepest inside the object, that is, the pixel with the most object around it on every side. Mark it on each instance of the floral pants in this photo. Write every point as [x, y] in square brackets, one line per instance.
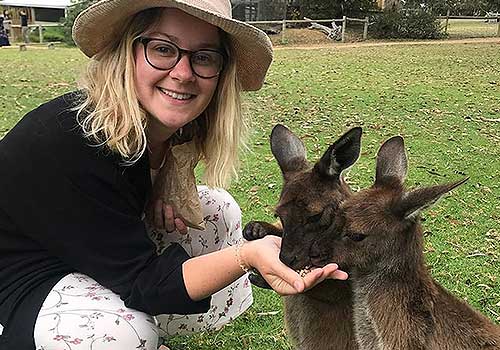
[79, 313]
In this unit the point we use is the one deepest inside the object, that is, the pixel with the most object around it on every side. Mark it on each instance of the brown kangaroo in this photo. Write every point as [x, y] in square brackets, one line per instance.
[320, 319]
[376, 235]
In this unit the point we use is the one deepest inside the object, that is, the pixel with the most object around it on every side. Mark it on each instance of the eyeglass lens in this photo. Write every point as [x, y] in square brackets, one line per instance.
[164, 55]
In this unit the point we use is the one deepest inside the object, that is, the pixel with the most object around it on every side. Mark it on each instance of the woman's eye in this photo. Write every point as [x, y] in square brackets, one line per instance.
[203, 59]
[357, 237]
[165, 50]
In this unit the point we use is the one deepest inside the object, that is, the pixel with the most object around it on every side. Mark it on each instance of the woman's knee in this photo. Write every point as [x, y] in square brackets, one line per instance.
[221, 209]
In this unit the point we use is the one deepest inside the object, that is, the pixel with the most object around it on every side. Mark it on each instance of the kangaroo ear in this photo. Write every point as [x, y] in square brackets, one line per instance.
[288, 149]
[414, 202]
[391, 161]
[341, 155]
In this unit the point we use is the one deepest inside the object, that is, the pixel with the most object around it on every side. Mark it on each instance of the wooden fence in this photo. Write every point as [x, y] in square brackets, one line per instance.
[344, 21]
[366, 22]
[16, 30]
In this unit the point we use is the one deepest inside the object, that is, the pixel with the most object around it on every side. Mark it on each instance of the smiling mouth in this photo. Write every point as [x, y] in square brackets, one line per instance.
[176, 95]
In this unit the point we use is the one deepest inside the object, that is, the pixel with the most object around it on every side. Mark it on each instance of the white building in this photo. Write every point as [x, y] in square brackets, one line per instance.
[37, 10]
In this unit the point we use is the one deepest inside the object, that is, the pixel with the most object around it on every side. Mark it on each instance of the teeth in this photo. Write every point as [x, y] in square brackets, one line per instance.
[176, 95]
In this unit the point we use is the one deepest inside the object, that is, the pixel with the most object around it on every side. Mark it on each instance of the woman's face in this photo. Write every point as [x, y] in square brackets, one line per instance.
[177, 96]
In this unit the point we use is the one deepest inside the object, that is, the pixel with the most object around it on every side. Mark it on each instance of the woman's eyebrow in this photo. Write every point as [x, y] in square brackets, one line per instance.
[176, 40]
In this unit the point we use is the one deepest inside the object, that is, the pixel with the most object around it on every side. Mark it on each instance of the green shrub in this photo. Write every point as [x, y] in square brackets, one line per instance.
[417, 24]
[49, 34]
[422, 25]
[387, 25]
[72, 12]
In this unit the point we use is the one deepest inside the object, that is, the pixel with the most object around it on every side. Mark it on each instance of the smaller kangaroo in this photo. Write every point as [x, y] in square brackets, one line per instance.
[320, 319]
[376, 235]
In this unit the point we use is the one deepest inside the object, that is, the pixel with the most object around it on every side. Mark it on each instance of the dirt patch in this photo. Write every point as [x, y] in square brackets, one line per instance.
[300, 37]
[304, 36]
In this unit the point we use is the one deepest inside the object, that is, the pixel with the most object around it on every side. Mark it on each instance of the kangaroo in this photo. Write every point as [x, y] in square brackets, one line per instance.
[321, 318]
[377, 236]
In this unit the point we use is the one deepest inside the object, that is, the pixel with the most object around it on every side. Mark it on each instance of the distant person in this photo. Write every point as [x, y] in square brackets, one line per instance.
[24, 27]
[7, 23]
[4, 38]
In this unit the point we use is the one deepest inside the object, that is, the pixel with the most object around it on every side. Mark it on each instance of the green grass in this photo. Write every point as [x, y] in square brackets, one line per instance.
[458, 28]
[444, 99]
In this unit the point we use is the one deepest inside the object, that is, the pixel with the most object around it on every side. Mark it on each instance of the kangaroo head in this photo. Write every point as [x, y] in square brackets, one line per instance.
[379, 226]
[311, 192]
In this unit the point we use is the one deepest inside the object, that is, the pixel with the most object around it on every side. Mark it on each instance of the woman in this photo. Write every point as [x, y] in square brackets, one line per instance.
[77, 266]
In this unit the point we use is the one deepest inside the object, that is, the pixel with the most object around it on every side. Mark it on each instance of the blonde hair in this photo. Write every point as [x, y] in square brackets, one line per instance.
[110, 113]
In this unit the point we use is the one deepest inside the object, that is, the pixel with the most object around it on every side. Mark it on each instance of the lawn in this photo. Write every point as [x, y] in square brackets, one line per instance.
[445, 101]
[472, 28]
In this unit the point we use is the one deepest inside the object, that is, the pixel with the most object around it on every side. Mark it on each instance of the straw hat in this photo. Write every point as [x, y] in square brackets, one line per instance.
[102, 22]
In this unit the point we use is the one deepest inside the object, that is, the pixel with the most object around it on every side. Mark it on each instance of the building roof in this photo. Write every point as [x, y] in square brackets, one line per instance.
[56, 4]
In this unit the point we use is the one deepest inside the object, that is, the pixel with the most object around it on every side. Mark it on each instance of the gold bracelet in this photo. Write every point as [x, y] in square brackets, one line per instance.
[242, 265]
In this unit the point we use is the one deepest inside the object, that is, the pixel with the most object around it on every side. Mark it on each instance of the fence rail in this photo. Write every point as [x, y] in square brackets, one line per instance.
[34, 26]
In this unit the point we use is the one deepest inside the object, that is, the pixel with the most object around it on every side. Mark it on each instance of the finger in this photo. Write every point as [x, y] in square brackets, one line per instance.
[332, 272]
[158, 214]
[330, 268]
[339, 275]
[180, 226]
[290, 277]
[313, 278]
[168, 217]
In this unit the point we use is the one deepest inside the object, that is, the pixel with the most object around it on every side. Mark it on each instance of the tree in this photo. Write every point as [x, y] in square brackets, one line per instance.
[72, 12]
[323, 9]
[456, 7]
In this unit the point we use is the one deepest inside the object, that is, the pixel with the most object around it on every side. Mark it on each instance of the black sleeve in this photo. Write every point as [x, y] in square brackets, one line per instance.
[78, 204]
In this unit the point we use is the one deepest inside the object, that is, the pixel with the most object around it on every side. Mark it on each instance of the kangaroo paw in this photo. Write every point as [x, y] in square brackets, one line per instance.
[254, 230]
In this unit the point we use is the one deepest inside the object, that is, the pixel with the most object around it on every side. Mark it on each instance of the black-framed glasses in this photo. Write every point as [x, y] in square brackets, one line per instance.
[164, 55]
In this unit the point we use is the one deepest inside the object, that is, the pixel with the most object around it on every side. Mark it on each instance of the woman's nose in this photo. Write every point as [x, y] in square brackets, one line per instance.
[182, 71]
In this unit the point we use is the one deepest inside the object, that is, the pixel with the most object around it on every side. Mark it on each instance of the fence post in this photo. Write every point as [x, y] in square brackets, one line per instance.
[344, 24]
[283, 27]
[365, 31]
[40, 33]
[446, 23]
[13, 34]
[498, 25]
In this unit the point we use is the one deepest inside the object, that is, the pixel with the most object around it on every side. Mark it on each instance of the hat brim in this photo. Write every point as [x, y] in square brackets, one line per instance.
[102, 22]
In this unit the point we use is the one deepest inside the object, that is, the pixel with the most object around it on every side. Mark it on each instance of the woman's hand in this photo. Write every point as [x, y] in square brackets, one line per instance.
[263, 254]
[165, 218]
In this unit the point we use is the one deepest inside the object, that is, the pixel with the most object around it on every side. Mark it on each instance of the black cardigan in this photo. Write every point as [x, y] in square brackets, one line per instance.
[65, 206]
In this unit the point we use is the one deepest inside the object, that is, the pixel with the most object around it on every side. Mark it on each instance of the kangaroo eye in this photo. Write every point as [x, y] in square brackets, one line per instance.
[357, 237]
